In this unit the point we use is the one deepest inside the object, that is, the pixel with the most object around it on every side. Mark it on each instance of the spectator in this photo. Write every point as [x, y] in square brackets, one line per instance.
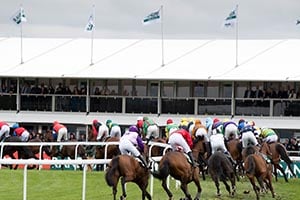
[247, 93]
[97, 91]
[293, 146]
[293, 94]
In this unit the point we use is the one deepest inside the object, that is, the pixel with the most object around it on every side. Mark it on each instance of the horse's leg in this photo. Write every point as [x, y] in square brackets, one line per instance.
[184, 188]
[277, 166]
[197, 183]
[123, 182]
[227, 186]
[255, 188]
[143, 188]
[164, 185]
[269, 184]
[291, 170]
[217, 184]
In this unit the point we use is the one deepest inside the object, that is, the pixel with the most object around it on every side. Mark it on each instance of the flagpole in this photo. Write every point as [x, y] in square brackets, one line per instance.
[162, 37]
[21, 35]
[236, 38]
[92, 37]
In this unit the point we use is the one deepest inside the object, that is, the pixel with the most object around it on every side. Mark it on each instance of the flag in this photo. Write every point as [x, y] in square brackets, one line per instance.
[231, 19]
[298, 22]
[19, 16]
[152, 17]
[90, 25]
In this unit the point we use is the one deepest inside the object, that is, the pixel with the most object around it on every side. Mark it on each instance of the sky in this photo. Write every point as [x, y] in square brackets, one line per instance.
[182, 19]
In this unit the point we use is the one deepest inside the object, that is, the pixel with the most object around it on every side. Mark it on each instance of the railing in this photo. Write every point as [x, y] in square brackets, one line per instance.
[154, 105]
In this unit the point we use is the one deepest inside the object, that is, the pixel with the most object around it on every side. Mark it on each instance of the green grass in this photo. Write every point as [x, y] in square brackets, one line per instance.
[67, 185]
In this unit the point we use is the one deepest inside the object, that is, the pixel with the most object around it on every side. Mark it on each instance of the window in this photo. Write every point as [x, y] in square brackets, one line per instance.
[183, 89]
[168, 89]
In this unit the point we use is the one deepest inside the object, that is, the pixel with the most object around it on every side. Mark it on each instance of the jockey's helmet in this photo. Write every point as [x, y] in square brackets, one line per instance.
[15, 125]
[108, 122]
[208, 122]
[216, 120]
[169, 121]
[197, 121]
[55, 122]
[133, 128]
[95, 121]
[251, 123]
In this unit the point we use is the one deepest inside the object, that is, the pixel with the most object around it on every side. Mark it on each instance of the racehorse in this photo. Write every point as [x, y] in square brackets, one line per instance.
[129, 170]
[66, 150]
[155, 150]
[23, 151]
[277, 152]
[234, 147]
[175, 163]
[200, 154]
[98, 151]
[256, 167]
[220, 168]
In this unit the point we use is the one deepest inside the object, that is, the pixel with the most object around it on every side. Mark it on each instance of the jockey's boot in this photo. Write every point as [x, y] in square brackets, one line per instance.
[233, 162]
[194, 164]
[142, 159]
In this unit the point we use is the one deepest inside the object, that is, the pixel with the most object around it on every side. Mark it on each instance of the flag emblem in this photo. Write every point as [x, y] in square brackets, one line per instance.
[90, 25]
[231, 19]
[154, 16]
[19, 16]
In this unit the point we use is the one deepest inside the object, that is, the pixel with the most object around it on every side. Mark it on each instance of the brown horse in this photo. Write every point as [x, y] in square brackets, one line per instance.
[129, 170]
[277, 152]
[234, 147]
[200, 154]
[176, 164]
[257, 167]
[98, 151]
[155, 150]
[220, 168]
[66, 150]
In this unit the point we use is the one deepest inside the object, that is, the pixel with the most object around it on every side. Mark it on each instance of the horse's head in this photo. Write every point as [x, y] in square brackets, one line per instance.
[48, 136]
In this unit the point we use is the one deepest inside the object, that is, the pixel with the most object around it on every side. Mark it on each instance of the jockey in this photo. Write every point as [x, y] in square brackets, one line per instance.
[208, 124]
[114, 129]
[184, 123]
[182, 140]
[217, 126]
[230, 130]
[217, 141]
[200, 130]
[170, 127]
[4, 130]
[139, 124]
[20, 132]
[61, 131]
[128, 143]
[150, 129]
[100, 130]
[268, 135]
[247, 135]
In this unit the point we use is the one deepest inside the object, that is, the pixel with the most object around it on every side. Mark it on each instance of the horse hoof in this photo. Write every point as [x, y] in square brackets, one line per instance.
[246, 191]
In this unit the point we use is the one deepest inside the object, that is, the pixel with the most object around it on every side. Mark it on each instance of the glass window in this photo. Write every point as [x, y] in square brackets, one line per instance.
[227, 90]
[212, 89]
[183, 89]
[153, 89]
[168, 89]
[113, 87]
[139, 88]
[198, 89]
[241, 88]
[127, 87]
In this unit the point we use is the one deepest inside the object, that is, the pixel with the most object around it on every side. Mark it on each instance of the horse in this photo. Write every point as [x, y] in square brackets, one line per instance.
[66, 150]
[98, 151]
[200, 154]
[155, 150]
[277, 152]
[256, 167]
[23, 152]
[175, 163]
[220, 168]
[234, 147]
[128, 169]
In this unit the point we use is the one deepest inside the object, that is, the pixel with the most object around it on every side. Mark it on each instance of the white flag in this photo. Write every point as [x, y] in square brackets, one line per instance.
[231, 19]
[152, 17]
[19, 16]
[90, 25]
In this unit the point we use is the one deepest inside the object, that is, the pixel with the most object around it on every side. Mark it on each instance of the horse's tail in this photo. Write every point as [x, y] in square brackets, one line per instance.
[251, 164]
[163, 172]
[284, 156]
[112, 171]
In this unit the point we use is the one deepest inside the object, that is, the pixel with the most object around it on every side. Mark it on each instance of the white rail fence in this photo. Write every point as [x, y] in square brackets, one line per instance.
[40, 162]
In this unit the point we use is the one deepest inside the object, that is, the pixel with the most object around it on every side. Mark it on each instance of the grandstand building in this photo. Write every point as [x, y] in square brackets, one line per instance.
[122, 79]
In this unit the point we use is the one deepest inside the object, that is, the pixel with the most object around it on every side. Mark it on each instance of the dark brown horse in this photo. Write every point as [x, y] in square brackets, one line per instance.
[129, 170]
[98, 151]
[22, 151]
[220, 168]
[200, 154]
[234, 147]
[155, 149]
[257, 167]
[66, 150]
[277, 152]
[175, 164]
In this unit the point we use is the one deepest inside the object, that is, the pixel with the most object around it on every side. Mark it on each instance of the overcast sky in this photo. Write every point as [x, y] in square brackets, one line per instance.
[185, 19]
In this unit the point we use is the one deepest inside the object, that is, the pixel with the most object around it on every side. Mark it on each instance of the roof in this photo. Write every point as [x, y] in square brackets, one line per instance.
[258, 60]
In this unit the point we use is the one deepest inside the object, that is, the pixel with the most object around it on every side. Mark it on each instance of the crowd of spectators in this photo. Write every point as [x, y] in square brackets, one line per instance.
[282, 93]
